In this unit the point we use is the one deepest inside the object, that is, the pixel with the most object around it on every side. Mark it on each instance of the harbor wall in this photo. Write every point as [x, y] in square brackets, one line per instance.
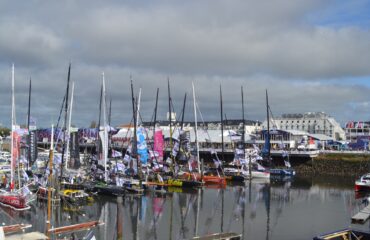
[339, 164]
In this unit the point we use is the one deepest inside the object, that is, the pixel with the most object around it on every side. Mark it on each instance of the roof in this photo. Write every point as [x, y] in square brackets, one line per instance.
[203, 135]
[320, 137]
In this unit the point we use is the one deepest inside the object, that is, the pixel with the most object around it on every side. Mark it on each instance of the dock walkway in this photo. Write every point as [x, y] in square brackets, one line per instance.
[362, 216]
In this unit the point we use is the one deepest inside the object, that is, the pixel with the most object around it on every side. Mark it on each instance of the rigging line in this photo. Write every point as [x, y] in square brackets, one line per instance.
[272, 118]
[126, 137]
[59, 133]
[201, 116]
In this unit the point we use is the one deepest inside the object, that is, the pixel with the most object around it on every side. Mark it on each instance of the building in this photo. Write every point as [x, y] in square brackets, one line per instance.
[358, 134]
[311, 122]
[209, 133]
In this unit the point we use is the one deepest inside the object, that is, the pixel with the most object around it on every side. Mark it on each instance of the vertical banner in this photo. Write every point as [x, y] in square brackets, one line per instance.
[158, 144]
[32, 146]
[142, 149]
[185, 140]
[74, 150]
[16, 148]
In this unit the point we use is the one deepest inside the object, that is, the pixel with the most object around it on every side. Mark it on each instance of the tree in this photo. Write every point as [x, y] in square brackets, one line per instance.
[4, 131]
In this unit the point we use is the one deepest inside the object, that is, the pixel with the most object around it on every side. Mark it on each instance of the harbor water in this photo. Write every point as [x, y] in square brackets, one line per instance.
[297, 208]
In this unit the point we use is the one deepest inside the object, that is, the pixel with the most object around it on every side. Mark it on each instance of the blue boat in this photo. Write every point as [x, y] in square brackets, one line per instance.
[282, 171]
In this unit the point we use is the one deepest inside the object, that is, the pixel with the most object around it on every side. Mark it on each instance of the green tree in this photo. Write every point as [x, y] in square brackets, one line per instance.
[4, 131]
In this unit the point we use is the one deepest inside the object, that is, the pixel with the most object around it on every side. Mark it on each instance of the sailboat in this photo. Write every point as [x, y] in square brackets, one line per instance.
[171, 178]
[267, 147]
[14, 199]
[235, 174]
[103, 187]
[199, 175]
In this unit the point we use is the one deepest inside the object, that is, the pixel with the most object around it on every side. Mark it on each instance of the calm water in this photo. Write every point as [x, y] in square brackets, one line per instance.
[297, 209]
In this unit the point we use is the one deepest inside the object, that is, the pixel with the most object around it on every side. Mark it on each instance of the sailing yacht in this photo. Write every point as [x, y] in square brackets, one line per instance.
[14, 199]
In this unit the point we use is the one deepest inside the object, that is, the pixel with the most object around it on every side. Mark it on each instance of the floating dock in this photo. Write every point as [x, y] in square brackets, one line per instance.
[362, 216]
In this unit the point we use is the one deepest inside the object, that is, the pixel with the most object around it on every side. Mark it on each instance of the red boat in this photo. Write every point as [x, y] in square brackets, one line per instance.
[14, 200]
[207, 179]
[363, 184]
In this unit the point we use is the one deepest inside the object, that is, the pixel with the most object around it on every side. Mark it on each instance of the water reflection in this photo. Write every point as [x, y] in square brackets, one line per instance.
[278, 209]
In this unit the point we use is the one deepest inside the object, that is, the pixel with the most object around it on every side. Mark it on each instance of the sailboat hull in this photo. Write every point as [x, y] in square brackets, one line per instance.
[282, 172]
[13, 200]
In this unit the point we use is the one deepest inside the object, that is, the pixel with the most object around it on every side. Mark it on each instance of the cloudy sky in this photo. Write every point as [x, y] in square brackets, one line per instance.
[310, 55]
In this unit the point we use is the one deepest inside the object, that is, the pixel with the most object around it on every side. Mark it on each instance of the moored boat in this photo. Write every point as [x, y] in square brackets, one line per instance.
[14, 200]
[207, 179]
[344, 234]
[75, 196]
[282, 171]
[363, 184]
[220, 236]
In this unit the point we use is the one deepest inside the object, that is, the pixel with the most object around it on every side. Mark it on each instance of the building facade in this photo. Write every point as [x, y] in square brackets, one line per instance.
[311, 122]
[357, 130]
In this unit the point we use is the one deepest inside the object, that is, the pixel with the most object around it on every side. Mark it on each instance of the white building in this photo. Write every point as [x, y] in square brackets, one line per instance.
[356, 130]
[311, 122]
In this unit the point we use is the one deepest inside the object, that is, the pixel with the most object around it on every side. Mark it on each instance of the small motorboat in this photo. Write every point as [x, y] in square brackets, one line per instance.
[75, 196]
[363, 184]
[344, 234]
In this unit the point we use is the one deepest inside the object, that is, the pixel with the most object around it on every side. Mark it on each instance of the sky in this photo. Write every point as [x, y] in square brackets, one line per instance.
[310, 55]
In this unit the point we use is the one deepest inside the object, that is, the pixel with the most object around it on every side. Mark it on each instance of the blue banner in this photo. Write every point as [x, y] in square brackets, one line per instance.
[142, 149]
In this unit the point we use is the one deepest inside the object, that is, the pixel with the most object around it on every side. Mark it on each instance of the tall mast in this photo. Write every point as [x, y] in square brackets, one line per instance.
[182, 122]
[65, 119]
[98, 147]
[100, 102]
[155, 111]
[196, 126]
[69, 127]
[183, 112]
[105, 141]
[28, 124]
[110, 112]
[243, 134]
[223, 158]
[12, 135]
[138, 108]
[268, 126]
[222, 127]
[50, 177]
[134, 144]
[169, 111]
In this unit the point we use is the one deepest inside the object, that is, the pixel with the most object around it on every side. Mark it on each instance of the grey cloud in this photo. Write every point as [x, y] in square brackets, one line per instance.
[249, 43]
[28, 44]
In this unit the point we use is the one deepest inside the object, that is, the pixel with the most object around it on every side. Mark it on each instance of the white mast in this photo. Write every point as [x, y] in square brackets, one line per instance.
[196, 126]
[13, 129]
[105, 141]
[69, 127]
[138, 109]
